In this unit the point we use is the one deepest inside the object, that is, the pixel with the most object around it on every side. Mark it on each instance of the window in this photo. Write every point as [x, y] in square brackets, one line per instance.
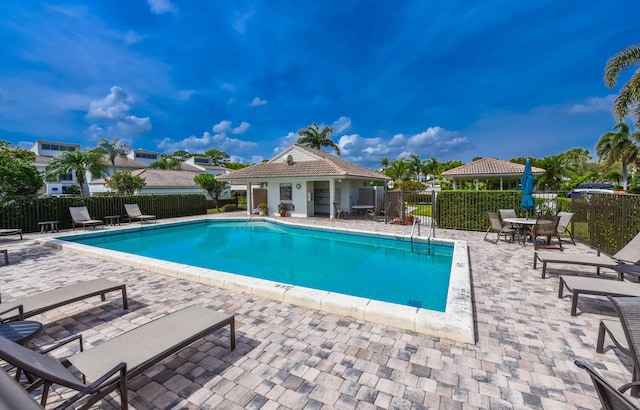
[46, 146]
[201, 161]
[65, 177]
[146, 156]
[285, 192]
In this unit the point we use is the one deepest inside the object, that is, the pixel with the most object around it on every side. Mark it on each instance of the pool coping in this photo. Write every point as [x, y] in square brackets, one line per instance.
[455, 323]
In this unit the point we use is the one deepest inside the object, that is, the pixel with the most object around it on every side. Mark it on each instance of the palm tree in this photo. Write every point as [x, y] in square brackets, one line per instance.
[555, 168]
[166, 162]
[619, 145]
[315, 138]
[414, 165]
[397, 170]
[113, 150]
[384, 162]
[80, 162]
[628, 99]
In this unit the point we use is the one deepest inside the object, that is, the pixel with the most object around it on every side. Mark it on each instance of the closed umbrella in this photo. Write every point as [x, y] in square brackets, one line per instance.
[526, 183]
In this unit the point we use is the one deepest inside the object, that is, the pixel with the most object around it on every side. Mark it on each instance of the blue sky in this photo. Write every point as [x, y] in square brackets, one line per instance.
[446, 79]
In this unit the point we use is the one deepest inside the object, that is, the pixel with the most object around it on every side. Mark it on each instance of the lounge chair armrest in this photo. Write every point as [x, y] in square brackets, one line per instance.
[20, 312]
[627, 386]
[96, 385]
[64, 342]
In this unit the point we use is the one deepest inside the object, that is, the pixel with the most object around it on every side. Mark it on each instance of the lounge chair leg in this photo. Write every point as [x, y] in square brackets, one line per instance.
[535, 260]
[544, 269]
[561, 288]
[601, 332]
[125, 301]
[574, 303]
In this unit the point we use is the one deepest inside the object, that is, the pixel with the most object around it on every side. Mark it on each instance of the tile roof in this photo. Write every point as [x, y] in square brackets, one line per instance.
[156, 178]
[317, 163]
[489, 167]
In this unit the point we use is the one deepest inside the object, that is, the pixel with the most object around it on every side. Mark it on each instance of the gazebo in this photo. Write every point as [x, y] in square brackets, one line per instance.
[488, 168]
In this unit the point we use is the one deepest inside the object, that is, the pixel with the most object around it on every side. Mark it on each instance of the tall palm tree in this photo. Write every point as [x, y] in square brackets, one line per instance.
[316, 138]
[113, 149]
[619, 145]
[80, 162]
[414, 164]
[628, 99]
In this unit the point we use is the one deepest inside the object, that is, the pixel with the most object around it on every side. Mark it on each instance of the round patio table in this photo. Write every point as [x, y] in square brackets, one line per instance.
[20, 331]
[525, 225]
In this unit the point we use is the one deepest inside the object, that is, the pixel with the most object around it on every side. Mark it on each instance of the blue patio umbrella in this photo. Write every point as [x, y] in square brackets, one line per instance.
[526, 183]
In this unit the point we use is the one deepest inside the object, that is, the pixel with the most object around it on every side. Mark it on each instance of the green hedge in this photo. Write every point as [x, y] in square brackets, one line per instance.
[25, 213]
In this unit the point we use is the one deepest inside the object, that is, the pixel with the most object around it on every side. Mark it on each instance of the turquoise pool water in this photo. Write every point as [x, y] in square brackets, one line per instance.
[352, 264]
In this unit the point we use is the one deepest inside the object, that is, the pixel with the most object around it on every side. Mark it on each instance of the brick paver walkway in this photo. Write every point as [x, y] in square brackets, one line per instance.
[289, 357]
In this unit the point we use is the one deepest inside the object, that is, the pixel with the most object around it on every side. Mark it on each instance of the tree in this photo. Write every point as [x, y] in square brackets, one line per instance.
[181, 154]
[80, 162]
[414, 165]
[628, 100]
[315, 138]
[213, 187]
[397, 170]
[218, 158]
[18, 176]
[112, 149]
[619, 145]
[124, 183]
[555, 169]
[166, 162]
[384, 162]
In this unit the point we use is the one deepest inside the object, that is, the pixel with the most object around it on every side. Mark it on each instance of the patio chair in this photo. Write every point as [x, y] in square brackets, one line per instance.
[376, 214]
[546, 227]
[34, 305]
[508, 213]
[628, 309]
[133, 210]
[610, 397]
[580, 285]
[563, 225]
[339, 211]
[80, 216]
[6, 232]
[13, 396]
[629, 254]
[111, 364]
[496, 226]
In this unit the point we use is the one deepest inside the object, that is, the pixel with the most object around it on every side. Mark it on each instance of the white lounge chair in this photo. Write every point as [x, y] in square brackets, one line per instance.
[133, 210]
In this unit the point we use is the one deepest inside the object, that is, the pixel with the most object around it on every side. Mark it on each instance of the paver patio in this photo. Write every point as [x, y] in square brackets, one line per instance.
[288, 357]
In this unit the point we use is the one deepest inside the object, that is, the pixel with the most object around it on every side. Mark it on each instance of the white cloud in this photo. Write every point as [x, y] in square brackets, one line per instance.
[207, 141]
[185, 95]
[434, 142]
[594, 104]
[115, 108]
[342, 124]
[162, 6]
[240, 23]
[225, 126]
[256, 102]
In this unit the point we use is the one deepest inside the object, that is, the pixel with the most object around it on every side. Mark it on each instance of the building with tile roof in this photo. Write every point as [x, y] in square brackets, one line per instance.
[308, 181]
[488, 168]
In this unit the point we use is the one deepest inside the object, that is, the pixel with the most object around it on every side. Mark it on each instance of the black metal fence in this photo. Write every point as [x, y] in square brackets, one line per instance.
[25, 213]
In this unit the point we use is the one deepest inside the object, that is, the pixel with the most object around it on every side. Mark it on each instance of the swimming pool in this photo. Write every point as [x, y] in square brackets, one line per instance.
[433, 298]
[358, 265]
